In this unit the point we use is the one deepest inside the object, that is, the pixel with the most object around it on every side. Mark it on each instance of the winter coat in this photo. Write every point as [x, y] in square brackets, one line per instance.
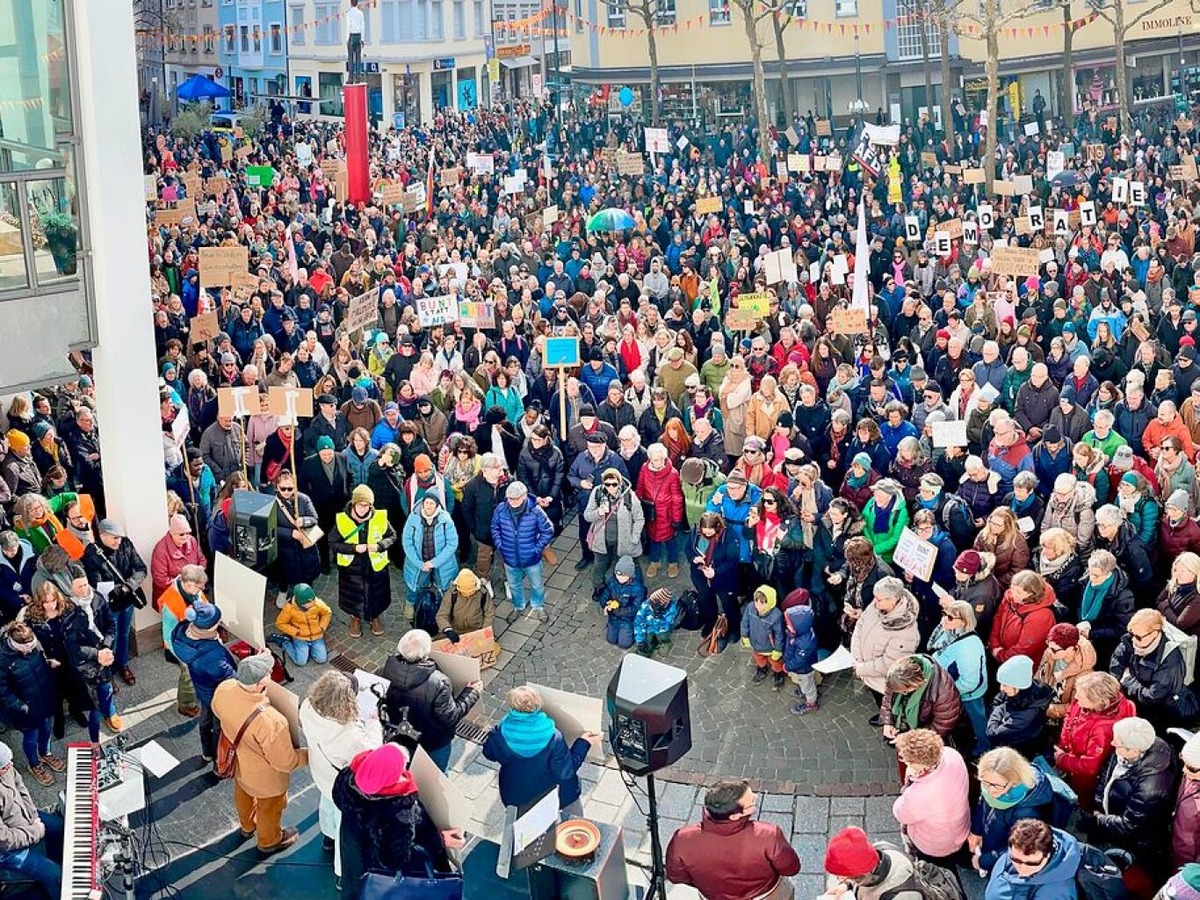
[520, 536]
[763, 632]
[630, 519]
[799, 641]
[168, 560]
[1154, 682]
[1132, 805]
[1076, 517]
[208, 661]
[884, 542]
[27, 694]
[735, 513]
[297, 564]
[725, 563]
[628, 598]
[1034, 405]
[963, 657]
[993, 823]
[304, 624]
[20, 826]
[1132, 558]
[661, 492]
[1061, 681]
[333, 744]
[983, 592]
[16, 580]
[1009, 558]
[1056, 881]
[480, 500]
[1181, 607]
[933, 809]
[941, 704]
[1020, 629]
[445, 552]
[266, 757]
[585, 468]
[542, 471]
[422, 689]
[533, 757]
[1185, 830]
[359, 466]
[695, 497]
[363, 592]
[1176, 539]
[1020, 721]
[732, 859]
[464, 613]
[880, 639]
[1086, 742]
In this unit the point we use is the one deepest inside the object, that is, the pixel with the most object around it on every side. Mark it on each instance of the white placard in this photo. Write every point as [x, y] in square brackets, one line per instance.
[239, 591]
[914, 555]
[1037, 221]
[885, 135]
[304, 154]
[837, 661]
[941, 243]
[912, 229]
[1031, 128]
[1062, 221]
[985, 216]
[1120, 190]
[433, 311]
[456, 270]
[970, 232]
[949, 434]
[657, 140]
[1046, 255]
[1056, 161]
[1087, 213]
[368, 702]
[513, 185]
[1137, 193]
[748, 207]
[681, 143]
[481, 163]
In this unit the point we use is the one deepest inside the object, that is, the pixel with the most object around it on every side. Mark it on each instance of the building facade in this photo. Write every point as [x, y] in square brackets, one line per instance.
[253, 47]
[533, 46]
[190, 42]
[420, 56]
[840, 51]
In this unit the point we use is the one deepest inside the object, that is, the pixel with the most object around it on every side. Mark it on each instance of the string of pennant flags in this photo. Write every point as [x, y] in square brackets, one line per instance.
[533, 23]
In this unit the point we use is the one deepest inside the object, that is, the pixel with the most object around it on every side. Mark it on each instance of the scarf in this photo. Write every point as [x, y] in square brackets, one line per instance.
[527, 733]
[1008, 799]
[1093, 597]
[23, 648]
[906, 708]
[1051, 567]
[856, 481]
[931, 503]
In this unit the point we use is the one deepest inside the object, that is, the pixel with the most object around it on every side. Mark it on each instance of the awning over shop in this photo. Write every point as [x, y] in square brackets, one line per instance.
[518, 62]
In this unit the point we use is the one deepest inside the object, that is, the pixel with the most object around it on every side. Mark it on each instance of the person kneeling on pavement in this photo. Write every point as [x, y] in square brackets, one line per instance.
[468, 605]
[303, 620]
[620, 599]
[655, 619]
[763, 634]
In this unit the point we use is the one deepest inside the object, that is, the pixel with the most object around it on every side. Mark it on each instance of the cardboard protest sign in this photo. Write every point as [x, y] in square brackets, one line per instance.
[1003, 188]
[476, 313]
[630, 164]
[183, 213]
[450, 177]
[1023, 184]
[290, 403]
[240, 591]
[848, 321]
[574, 714]
[1137, 193]
[1062, 221]
[824, 128]
[203, 328]
[1056, 161]
[1037, 221]
[481, 163]
[445, 804]
[741, 319]
[953, 227]
[216, 186]
[708, 205]
[391, 193]
[550, 215]
[285, 702]
[480, 645]
[797, 162]
[362, 311]
[219, 265]
[1015, 261]
[461, 670]
[237, 401]
[151, 188]
[331, 167]
[244, 153]
[914, 555]
[974, 176]
[433, 311]
[929, 159]
[1094, 152]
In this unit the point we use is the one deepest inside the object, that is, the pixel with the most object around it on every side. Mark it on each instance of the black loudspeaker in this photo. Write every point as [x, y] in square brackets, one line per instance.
[649, 720]
[254, 540]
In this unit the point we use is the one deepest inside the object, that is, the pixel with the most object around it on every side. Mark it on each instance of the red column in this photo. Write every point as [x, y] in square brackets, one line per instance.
[358, 169]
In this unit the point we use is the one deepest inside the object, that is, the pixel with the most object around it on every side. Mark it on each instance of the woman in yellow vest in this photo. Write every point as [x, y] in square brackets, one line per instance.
[361, 541]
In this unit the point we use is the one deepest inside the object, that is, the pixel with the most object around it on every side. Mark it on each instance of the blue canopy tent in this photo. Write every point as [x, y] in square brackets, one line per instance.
[198, 87]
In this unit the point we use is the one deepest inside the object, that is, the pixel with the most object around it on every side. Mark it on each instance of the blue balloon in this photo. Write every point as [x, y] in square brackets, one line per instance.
[626, 97]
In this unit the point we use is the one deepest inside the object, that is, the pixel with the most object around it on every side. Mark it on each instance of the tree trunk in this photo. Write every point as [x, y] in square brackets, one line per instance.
[760, 79]
[924, 17]
[1121, 75]
[944, 39]
[655, 83]
[1067, 99]
[992, 65]
[785, 84]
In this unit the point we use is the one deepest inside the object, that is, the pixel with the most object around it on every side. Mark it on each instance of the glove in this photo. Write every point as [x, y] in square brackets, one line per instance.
[776, 654]
[746, 643]
[452, 635]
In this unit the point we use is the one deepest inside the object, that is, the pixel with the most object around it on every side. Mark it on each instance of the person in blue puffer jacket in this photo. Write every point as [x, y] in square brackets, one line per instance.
[734, 502]
[196, 643]
[534, 756]
[620, 599]
[521, 531]
[799, 654]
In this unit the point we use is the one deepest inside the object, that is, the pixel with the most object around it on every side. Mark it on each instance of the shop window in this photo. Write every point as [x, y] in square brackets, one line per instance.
[845, 8]
[329, 89]
[718, 12]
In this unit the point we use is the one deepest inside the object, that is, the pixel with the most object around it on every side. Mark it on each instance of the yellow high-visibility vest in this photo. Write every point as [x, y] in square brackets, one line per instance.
[376, 528]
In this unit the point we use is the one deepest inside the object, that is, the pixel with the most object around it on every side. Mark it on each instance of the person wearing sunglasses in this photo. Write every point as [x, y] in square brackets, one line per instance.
[1040, 860]
[1152, 670]
[1185, 830]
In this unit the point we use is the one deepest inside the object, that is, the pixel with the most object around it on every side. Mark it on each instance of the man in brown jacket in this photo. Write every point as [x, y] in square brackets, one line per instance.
[265, 756]
[729, 855]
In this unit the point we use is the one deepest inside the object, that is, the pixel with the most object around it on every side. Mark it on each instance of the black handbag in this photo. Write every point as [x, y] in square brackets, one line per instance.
[431, 886]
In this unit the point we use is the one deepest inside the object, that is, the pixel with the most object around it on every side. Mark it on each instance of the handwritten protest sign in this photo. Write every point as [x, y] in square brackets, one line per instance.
[1015, 261]
[203, 328]
[479, 644]
[220, 265]
[708, 205]
[183, 213]
[476, 313]
[450, 177]
[433, 311]
[630, 164]
[362, 311]
[848, 321]
[973, 176]
[915, 556]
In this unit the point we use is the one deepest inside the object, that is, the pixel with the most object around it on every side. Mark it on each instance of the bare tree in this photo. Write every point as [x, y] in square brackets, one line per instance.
[793, 9]
[943, 21]
[753, 12]
[1066, 102]
[1113, 12]
[652, 17]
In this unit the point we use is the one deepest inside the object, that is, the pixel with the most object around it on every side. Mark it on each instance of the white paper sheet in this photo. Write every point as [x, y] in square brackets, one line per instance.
[154, 758]
[836, 661]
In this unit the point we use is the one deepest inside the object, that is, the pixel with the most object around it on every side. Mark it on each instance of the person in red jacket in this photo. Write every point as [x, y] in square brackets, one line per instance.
[1087, 731]
[1023, 618]
[661, 494]
[730, 855]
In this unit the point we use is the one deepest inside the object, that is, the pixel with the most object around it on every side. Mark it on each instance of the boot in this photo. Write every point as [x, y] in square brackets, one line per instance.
[760, 675]
[672, 570]
[644, 648]
[376, 626]
[652, 570]
[778, 683]
[355, 629]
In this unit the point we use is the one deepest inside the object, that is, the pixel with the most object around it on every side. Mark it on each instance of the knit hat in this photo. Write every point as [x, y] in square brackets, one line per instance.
[324, 442]
[1016, 671]
[18, 440]
[1123, 458]
[862, 460]
[625, 567]
[41, 429]
[1190, 874]
[1134, 733]
[692, 472]
[359, 396]
[943, 334]
[516, 490]
[204, 615]
[363, 494]
[1191, 752]
[179, 524]
[1178, 498]
[969, 562]
[889, 486]
[1052, 434]
[1065, 483]
[737, 476]
[422, 465]
[1064, 635]
[254, 669]
[383, 770]
[303, 594]
[6, 755]
[466, 581]
[850, 854]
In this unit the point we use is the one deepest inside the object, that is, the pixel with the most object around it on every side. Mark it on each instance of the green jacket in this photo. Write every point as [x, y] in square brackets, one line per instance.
[885, 542]
[696, 498]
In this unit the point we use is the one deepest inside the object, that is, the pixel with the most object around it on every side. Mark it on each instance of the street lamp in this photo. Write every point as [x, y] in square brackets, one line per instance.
[857, 72]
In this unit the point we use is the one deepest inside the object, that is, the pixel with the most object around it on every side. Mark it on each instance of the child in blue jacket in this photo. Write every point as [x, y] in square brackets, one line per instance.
[762, 634]
[799, 654]
[620, 599]
[655, 618]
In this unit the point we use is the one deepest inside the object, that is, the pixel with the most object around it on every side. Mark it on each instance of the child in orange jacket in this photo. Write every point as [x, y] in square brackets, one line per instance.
[303, 621]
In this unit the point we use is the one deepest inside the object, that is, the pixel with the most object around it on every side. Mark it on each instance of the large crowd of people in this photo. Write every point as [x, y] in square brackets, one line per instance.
[984, 490]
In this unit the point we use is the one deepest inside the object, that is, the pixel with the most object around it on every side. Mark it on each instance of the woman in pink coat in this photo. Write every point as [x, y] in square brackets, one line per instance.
[933, 810]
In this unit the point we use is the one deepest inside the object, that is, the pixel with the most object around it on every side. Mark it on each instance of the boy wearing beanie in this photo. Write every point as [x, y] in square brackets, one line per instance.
[620, 599]
[303, 622]
[762, 634]
[655, 619]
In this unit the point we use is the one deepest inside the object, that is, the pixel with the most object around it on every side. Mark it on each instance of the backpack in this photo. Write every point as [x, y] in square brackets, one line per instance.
[425, 607]
[958, 521]
[689, 611]
[1098, 877]
[935, 882]
[1065, 801]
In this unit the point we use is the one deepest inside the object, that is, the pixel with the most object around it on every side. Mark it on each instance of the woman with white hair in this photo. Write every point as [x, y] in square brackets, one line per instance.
[1069, 508]
[885, 631]
[1179, 601]
[1134, 796]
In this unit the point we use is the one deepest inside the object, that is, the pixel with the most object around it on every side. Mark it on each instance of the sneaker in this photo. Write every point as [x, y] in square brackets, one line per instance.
[652, 570]
[514, 615]
[760, 675]
[114, 724]
[672, 570]
[42, 775]
[53, 762]
[778, 682]
[803, 709]
[874, 721]
[276, 638]
[542, 613]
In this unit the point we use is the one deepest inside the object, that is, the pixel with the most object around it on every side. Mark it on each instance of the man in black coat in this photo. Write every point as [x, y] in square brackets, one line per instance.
[113, 558]
[423, 693]
[327, 423]
[325, 478]
[481, 496]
